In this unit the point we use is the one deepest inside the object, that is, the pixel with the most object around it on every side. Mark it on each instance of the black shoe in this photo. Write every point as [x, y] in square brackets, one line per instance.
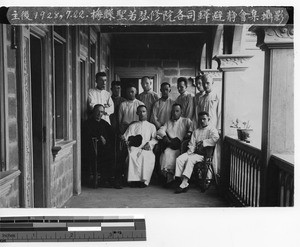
[181, 190]
[142, 185]
[132, 184]
[169, 185]
[105, 184]
[117, 186]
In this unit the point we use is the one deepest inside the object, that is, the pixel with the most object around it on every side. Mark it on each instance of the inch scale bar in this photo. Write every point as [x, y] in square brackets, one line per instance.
[71, 229]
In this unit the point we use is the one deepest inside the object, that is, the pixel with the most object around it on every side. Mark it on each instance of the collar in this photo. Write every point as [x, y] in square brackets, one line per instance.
[185, 93]
[173, 120]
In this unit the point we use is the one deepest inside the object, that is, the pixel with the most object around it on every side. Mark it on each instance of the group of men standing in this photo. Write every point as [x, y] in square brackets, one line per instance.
[147, 126]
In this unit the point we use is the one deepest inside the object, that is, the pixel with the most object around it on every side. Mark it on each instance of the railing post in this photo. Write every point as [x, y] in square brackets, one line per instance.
[277, 129]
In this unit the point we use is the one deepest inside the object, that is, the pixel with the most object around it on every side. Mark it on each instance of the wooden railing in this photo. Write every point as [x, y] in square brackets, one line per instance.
[280, 183]
[243, 172]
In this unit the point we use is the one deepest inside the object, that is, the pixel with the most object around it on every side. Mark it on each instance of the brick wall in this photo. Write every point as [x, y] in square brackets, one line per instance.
[12, 105]
[62, 178]
[172, 70]
[11, 198]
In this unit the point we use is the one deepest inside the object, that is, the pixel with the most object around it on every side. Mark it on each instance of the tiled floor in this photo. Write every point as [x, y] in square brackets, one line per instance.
[151, 197]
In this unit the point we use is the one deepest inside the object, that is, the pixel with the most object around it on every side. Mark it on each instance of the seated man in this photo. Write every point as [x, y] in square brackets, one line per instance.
[204, 136]
[141, 158]
[176, 128]
[97, 130]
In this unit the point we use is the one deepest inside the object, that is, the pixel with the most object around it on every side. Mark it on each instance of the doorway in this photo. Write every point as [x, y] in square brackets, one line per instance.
[38, 128]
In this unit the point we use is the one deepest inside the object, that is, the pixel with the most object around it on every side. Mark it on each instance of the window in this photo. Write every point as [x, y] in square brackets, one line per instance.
[60, 83]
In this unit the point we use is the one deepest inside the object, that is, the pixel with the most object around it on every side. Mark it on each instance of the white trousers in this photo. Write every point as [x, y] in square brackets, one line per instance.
[168, 159]
[185, 164]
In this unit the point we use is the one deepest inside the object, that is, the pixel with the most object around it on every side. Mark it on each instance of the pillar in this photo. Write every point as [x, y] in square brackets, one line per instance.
[278, 97]
[229, 65]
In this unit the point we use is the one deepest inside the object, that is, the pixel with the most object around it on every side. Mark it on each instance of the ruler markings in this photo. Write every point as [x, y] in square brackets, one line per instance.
[71, 229]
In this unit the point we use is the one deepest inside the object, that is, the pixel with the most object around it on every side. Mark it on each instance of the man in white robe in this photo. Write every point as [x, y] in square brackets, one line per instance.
[185, 99]
[161, 111]
[100, 96]
[178, 127]
[209, 102]
[148, 97]
[204, 136]
[128, 109]
[141, 159]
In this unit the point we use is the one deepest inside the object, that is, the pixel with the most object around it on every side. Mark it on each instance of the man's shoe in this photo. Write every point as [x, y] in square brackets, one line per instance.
[118, 186]
[142, 185]
[181, 190]
[132, 184]
[105, 184]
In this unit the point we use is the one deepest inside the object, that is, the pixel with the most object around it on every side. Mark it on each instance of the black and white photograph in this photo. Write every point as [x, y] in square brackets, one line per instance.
[176, 109]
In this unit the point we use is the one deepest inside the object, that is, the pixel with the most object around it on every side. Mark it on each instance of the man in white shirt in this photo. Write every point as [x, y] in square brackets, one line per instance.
[209, 102]
[176, 127]
[161, 110]
[128, 109]
[148, 97]
[141, 158]
[100, 96]
[203, 136]
[185, 99]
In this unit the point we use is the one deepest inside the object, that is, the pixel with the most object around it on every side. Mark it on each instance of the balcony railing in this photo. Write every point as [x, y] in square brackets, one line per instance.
[243, 169]
[242, 173]
[280, 182]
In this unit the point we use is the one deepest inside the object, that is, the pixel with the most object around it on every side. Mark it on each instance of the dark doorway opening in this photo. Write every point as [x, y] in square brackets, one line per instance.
[38, 129]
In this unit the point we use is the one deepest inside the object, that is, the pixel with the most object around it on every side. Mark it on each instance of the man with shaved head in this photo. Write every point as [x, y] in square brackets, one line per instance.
[141, 158]
[127, 110]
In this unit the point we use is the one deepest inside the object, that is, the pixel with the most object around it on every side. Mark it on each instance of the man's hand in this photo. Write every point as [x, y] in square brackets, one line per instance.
[166, 140]
[147, 146]
[200, 144]
[187, 136]
[158, 125]
[102, 139]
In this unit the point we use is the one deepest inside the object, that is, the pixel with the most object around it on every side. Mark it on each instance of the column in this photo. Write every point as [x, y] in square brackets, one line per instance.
[231, 66]
[278, 97]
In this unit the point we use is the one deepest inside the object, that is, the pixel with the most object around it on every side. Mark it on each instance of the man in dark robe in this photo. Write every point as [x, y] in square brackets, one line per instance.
[99, 141]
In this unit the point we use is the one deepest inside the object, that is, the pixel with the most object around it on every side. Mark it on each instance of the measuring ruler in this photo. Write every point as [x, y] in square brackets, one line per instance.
[72, 229]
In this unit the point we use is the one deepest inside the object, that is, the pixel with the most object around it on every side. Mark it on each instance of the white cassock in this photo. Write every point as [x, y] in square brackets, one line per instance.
[178, 128]
[141, 162]
[187, 103]
[211, 103]
[185, 162]
[127, 111]
[161, 111]
[97, 96]
[148, 98]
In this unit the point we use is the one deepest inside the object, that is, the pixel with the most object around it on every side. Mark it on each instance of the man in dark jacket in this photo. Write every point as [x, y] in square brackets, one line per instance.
[99, 140]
